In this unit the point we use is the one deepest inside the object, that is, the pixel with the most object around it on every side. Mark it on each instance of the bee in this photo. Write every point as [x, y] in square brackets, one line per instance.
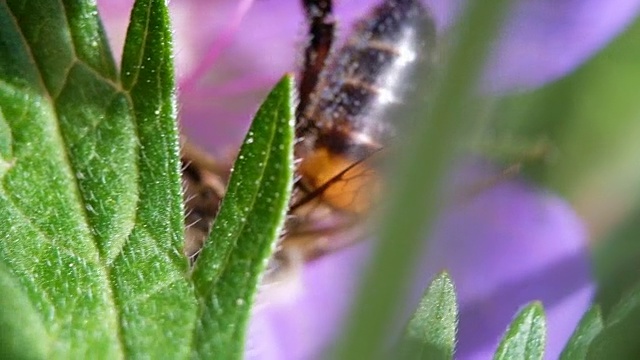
[343, 125]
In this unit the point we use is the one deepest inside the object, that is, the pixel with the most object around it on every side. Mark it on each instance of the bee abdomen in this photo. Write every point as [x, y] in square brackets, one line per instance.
[389, 19]
[369, 75]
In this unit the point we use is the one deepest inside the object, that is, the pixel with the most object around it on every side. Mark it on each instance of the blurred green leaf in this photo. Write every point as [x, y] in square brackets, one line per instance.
[24, 335]
[251, 216]
[413, 196]
[619, 338]
[589, 122]
[431, 332]
[616, 260]
[590, 325]
[90, 203]
[525, 337]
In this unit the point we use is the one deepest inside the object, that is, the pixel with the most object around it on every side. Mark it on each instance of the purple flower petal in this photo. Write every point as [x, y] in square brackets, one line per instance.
[302, 317]
[542, 40]
[510, 245]
[546, 39]
[505, 247]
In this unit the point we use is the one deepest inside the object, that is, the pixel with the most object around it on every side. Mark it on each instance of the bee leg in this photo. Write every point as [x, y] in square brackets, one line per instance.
[321, 37]
[203, 188]
[305, 240]
[308, 244]
[192, 155]
[478, 186]
[518, 159]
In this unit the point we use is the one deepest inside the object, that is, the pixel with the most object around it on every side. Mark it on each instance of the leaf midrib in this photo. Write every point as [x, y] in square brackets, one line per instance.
[58, 139]
[243, 226]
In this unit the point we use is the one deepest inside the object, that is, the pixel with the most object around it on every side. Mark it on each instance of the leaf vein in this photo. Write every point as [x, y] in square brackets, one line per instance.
[59, 138]
[241, 231]
[143, 40]
[40, 232]
[156, 289]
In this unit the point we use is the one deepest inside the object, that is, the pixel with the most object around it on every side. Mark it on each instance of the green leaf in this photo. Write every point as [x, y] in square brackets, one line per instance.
[615, 261]
[156, 299]
[251, 216]
[23, 333]
[619, 338]
[590, 325]
[431, 332]
[90, 200]
[525, 337]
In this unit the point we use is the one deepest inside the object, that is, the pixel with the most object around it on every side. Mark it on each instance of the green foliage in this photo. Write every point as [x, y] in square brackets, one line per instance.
[78, 243]
[91, 235]
[525, 337]
[431, 332]
[91, 262]
[615, 261]
[154, 299]
[252, 214]
[590, 325]
[619, 337]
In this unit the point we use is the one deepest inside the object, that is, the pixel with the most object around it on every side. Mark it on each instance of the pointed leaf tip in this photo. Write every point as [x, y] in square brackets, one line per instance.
[251, 216]
[525, 337]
